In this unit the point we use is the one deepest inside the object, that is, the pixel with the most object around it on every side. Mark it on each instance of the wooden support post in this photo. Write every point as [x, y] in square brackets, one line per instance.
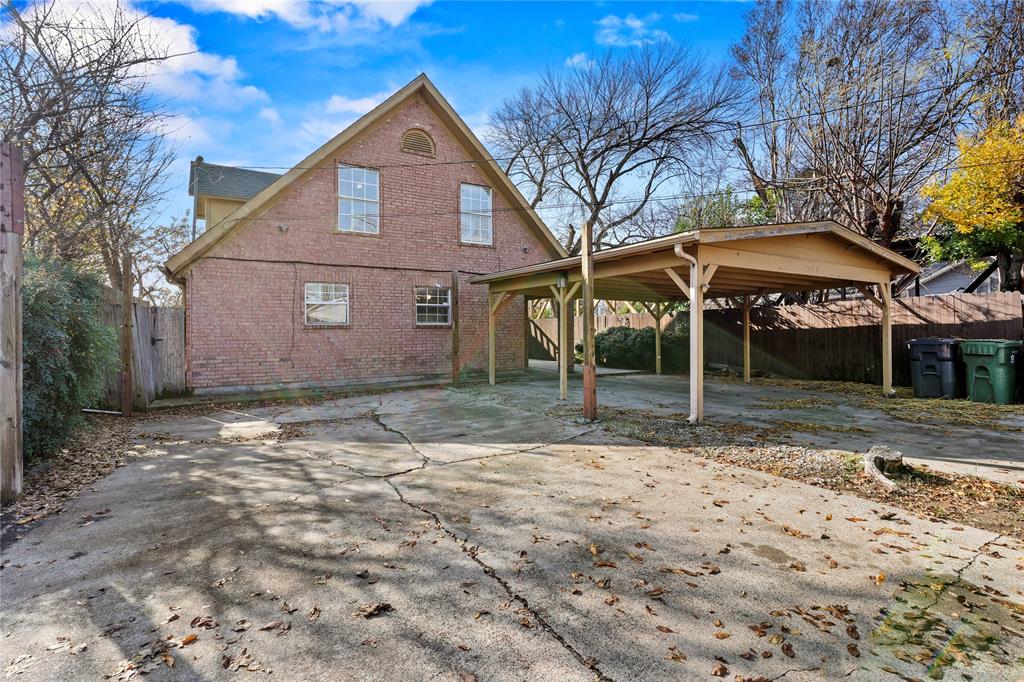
[495, 304]
[564, 297]
[12, 226]
[657, 337]
[491, 356]
[885, 294]
[589, 368]
[454, 311]
[696, 297]
[747, 303]
[127, 319]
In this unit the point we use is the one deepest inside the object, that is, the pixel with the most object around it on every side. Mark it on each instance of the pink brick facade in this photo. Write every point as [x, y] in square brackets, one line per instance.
[244, 298]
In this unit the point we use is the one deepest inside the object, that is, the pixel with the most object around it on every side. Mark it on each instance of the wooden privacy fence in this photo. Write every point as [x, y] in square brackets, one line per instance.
[841, 340]
[158, 351]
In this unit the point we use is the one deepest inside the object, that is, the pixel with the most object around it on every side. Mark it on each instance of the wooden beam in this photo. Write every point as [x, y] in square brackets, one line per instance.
[589, 368]
[674, 276]
[749, 260]
[564, 316]
[496, 302]
[868, 295]
[657, 338]
[453, 293]
[886, 296]
[12, 226]
[747, 304]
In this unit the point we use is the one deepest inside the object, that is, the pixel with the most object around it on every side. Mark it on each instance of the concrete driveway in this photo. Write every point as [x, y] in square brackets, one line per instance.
[989, 453]
[446, 534]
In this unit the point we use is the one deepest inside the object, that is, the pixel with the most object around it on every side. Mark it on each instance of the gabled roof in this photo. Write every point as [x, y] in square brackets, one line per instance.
[214, 180]
[795, 258]
[180, 262]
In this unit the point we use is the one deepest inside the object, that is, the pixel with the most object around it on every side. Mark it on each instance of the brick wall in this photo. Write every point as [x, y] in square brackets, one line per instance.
[245, 298]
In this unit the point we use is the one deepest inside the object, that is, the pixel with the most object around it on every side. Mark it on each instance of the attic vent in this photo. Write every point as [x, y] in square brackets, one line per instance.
[417, 142]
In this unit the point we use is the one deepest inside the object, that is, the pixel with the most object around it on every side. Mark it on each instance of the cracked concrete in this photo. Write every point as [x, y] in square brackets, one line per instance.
[510, 546]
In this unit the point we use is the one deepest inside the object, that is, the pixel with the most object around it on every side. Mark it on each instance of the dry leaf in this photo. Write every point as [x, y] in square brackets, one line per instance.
[720, 670]
[722, 635]
[662, 628]
[189, 639]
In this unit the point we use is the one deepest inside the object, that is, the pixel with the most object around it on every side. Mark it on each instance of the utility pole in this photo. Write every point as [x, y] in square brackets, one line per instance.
[12, 227]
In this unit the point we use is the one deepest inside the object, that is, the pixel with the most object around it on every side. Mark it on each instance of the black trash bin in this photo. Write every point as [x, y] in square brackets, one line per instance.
[935, 368]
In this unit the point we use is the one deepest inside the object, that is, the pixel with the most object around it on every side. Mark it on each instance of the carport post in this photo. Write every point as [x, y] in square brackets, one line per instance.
[657, 337]
[886, 299]
[746, 338]
[589, 369]
[564, 297]
[696, 343]
[491, 359]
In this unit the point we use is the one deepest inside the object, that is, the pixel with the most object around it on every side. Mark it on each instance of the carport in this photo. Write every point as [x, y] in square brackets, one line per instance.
[739, 264]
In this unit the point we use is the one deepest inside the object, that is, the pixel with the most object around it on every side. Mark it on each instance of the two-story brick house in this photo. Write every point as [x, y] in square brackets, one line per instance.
[340, 271]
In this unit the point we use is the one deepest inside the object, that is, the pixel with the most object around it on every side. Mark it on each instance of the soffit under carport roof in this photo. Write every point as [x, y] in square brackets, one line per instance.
[826, 255]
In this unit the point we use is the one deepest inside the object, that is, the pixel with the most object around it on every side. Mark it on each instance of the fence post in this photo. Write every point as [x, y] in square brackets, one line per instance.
[12, 226]
[127, 315]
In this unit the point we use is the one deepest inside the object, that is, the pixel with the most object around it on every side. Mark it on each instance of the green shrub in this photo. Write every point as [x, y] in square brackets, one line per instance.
[67, 352]
[628, 348]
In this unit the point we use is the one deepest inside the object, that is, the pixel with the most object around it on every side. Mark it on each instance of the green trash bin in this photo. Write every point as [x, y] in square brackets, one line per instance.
[992, 366]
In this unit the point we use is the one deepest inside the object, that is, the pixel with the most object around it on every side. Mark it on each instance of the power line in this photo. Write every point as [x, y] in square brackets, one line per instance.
[614, 202]
[726, 128]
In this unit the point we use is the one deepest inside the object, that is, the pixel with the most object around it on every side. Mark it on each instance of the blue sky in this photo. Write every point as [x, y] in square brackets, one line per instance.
[268, 81]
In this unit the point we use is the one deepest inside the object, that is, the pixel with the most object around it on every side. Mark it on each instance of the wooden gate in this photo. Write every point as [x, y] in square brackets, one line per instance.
[158, 351]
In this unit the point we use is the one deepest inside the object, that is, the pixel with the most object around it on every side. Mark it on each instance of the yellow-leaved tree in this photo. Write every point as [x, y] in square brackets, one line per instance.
[980, 208]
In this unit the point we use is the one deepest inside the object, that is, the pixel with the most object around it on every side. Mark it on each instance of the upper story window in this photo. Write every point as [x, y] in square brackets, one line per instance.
[326, 303]
[358, 199]
[475, 214]
[416, 141]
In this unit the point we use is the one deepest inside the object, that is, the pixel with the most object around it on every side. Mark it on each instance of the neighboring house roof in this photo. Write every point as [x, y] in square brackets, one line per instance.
[180, 262]
[214, 180]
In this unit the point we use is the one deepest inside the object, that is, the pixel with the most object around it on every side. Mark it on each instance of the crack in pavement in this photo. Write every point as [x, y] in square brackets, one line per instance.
[463, 543]
[471, 551]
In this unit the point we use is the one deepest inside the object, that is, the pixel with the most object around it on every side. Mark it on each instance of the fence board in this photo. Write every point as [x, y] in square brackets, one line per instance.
[158, 358]
[840, 340]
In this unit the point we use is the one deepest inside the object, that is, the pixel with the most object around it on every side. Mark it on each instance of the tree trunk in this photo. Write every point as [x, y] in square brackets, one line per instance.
[1010, 277]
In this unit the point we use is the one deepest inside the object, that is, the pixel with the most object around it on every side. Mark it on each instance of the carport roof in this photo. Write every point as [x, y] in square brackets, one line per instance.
[759, 259]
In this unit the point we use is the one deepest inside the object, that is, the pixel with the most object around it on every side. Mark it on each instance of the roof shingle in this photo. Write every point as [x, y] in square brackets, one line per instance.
[210, 179]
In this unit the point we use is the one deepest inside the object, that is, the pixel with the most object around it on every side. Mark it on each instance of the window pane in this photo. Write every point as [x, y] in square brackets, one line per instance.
[358, 194]
[475, 217]
[433, 305]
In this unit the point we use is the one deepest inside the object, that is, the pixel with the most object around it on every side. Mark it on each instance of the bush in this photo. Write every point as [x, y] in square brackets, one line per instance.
[67, 352]
[628, 348]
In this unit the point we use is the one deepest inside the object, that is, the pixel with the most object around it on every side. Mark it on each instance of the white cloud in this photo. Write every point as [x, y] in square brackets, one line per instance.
[327, 16]
[190, 74]
[339, 104]
[270, 115]
[579, 60]
[685, 17]
[629, 31]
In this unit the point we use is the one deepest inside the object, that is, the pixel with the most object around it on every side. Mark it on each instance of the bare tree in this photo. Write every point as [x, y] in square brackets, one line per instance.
[629, 123]
[857, 105]
[73, 92]
[995, 28]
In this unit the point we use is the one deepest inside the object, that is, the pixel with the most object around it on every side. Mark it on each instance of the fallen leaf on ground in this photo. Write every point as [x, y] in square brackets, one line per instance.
[371, 610]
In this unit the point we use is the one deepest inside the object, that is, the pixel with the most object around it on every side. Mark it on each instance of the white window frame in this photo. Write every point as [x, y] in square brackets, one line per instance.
[473, 213]
[358, 200]
[446, 306]
[320, 298]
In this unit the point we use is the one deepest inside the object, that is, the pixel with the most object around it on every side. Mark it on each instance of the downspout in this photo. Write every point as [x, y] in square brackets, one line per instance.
[694, 341]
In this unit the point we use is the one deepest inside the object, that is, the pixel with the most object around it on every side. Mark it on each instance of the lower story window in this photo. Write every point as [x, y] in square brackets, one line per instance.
[433, 305]
[326, 304]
